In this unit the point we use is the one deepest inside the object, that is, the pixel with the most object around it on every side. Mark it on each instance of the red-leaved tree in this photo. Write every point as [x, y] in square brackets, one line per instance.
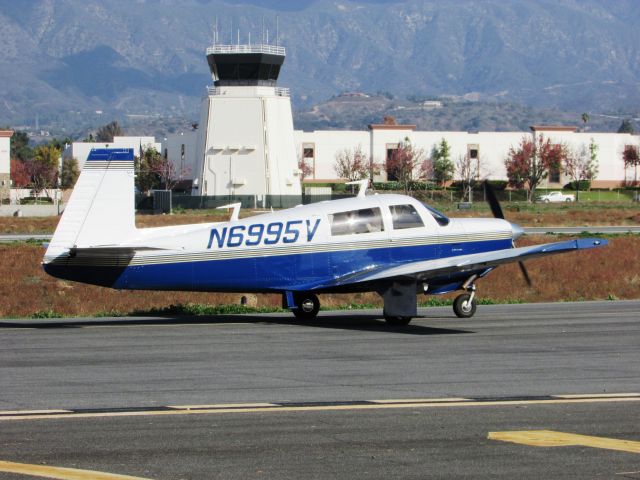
[404, 163]
[305, 169]
[19, 174]
[530, 163]
[168, 172]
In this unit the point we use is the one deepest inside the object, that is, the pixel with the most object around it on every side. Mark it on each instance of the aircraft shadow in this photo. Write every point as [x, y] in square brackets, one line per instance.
[357, 322]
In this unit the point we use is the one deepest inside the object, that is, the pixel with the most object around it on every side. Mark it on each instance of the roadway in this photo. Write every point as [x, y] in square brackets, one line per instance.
[343, 397]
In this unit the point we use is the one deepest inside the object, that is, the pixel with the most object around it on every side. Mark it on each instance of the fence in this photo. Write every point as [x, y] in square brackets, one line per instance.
[441, 197]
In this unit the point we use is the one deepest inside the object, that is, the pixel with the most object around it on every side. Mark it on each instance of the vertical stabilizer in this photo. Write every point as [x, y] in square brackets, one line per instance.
[101, 209]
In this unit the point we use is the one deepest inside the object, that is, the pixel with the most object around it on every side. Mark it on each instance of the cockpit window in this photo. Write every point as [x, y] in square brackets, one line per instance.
[367, 220]
[440, 217]
[405, 216]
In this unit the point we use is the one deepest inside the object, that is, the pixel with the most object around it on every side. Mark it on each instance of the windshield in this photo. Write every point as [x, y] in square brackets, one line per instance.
[440, 217]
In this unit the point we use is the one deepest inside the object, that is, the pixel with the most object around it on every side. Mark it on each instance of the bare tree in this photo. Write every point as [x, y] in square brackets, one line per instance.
[351, 165]
[168, 172]
[581, 165]
[468, 172]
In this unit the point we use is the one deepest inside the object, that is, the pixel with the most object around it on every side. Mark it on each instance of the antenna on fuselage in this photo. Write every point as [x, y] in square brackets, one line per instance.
[235, 214]
[362, 191]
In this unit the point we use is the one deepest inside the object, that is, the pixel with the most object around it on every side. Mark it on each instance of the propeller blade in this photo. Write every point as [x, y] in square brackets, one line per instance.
[496, 209]
[525, 274]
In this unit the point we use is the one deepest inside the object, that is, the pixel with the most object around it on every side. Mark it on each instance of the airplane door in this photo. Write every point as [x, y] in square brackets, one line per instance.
[313, 265]
[414, 236]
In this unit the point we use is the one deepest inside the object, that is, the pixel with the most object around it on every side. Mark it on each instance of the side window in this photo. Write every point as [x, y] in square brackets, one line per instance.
[405, 216]
[367, 220]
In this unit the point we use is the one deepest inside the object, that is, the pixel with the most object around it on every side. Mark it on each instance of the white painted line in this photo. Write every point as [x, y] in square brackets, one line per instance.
[598, 395]
[31, 412]
[222, 405]
[422, 400]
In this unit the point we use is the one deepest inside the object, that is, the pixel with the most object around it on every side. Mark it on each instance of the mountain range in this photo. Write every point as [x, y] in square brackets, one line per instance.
[63, 60]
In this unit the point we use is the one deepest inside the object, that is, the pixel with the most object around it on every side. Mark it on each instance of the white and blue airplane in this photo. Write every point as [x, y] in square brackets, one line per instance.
[390, 244]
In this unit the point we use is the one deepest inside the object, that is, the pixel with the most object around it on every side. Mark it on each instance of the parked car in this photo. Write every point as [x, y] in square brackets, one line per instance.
[557, 197]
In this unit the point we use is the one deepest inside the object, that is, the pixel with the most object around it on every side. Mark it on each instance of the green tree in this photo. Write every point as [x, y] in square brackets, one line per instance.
[20, 146]
[443, 166]
[70, 172]
[108, 131]
[585, 120]
[147, 177]
[43, 168]
[626, 127]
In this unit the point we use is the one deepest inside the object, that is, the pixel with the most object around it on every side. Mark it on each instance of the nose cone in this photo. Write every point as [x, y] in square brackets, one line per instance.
[517, 231]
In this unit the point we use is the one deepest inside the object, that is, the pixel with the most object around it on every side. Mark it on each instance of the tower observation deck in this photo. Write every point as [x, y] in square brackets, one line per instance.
[245, 65]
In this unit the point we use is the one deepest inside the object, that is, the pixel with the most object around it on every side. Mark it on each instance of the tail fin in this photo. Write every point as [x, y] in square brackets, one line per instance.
[101, 209]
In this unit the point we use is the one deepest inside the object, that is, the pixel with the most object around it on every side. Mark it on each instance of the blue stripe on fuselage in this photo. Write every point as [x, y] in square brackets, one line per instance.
[269, 273]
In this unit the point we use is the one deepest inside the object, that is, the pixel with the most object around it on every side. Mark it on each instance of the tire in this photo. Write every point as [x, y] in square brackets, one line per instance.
[462, 308]
[546, 200]
[308, 306]
[568, 200]
[396, 321]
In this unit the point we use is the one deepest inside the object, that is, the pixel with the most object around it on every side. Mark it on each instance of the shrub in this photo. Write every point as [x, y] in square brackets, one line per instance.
[582, 185]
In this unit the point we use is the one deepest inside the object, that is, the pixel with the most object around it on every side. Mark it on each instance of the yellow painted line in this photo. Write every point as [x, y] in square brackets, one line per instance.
[321, 408]
[598, 395]
[222, 405]
[60, 473]
[550, 438]
[422, 400]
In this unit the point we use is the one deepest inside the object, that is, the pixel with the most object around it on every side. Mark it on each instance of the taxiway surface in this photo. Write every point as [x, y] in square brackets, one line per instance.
[343, 397]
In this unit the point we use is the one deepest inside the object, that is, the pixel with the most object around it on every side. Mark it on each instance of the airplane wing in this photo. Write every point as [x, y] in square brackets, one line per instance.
[424, 270]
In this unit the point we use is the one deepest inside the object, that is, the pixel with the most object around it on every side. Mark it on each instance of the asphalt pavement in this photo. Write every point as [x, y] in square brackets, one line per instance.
[342, 397]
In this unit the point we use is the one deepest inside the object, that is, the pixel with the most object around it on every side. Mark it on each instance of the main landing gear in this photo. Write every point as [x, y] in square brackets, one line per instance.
[464, 306]
[306, 304]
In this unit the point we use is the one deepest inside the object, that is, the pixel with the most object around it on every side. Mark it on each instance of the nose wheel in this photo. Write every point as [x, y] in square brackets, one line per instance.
[464, 306]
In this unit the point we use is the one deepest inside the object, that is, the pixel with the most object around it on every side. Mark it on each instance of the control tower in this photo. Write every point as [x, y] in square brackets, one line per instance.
[245, 143]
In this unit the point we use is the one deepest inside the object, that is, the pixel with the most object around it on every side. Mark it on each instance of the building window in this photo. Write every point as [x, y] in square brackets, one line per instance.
[554, 175]
[391, 150]
[308, 152]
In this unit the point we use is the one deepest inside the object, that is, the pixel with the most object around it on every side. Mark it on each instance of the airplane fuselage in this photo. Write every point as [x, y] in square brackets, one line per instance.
[308, 247]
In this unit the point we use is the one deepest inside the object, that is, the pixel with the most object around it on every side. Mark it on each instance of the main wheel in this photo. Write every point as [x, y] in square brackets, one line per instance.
[462, 307]
[568, 200]
[396, 321]
[308, 306]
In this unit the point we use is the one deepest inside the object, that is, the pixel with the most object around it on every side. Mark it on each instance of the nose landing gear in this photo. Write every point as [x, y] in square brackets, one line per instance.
[464, 306]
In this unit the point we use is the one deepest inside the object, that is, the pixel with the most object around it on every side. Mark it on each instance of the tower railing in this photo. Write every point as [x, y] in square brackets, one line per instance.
[259, 48]
[280, 91]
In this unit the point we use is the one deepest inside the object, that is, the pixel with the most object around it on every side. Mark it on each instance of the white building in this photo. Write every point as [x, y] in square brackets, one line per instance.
[80, 150]
[245, 143]
[5, 163]
[319, 149]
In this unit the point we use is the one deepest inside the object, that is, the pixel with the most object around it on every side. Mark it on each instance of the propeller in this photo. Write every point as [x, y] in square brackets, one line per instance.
[496, 209]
